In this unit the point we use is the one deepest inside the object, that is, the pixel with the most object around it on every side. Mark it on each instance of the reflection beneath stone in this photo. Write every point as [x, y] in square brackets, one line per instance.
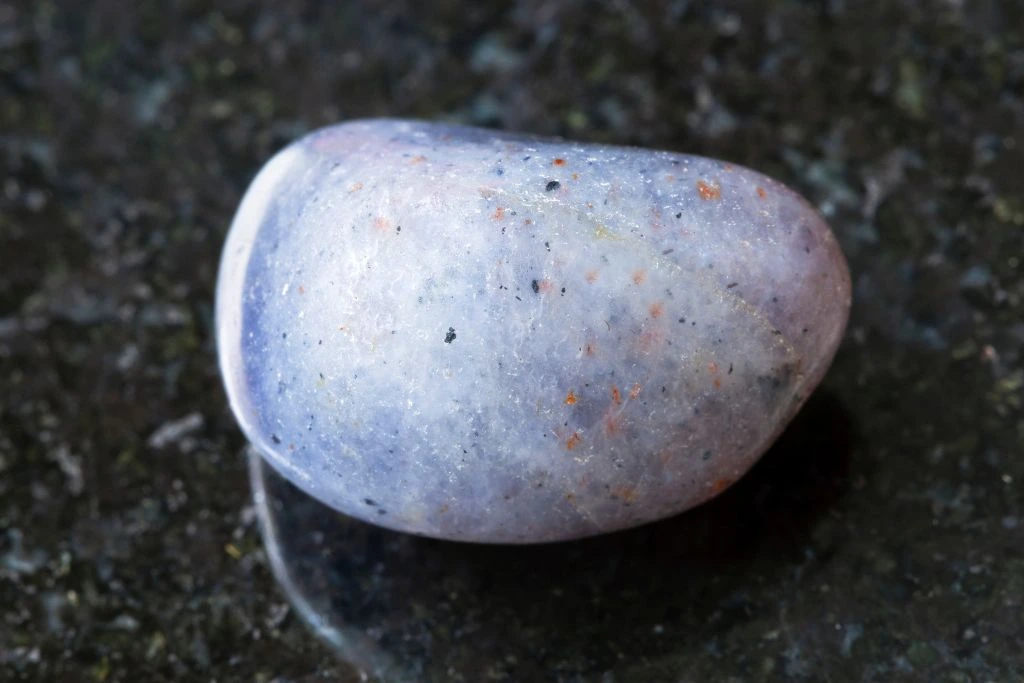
[634, 604]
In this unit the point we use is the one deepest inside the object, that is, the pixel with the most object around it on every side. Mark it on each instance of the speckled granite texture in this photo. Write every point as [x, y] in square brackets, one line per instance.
[881, 540]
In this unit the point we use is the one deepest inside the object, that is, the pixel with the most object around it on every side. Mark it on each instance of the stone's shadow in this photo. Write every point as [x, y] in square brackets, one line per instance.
[410, 608]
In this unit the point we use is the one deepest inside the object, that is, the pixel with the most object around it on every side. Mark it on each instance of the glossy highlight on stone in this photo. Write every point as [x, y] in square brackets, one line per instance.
[482, 336]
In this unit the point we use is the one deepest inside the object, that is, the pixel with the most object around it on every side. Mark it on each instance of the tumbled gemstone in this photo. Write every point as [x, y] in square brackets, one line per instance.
[479, 336]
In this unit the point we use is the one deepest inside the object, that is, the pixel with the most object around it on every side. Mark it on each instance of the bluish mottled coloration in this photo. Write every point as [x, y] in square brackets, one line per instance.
[490, 337]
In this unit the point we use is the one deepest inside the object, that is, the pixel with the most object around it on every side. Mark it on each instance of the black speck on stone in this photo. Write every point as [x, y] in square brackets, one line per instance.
[370, 501]
[535, 286]
[552, 186]
[450, 337]
[275, 438]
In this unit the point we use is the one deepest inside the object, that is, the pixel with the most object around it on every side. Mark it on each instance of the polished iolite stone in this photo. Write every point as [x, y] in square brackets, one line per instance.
[479, 336]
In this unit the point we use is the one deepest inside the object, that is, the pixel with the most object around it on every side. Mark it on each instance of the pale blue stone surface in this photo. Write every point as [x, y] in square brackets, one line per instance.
[487, 337]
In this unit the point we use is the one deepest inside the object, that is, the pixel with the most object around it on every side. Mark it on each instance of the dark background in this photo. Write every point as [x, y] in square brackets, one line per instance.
[881, 540]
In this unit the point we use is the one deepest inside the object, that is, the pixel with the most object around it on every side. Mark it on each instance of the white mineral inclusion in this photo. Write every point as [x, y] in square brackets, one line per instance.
[479, 336]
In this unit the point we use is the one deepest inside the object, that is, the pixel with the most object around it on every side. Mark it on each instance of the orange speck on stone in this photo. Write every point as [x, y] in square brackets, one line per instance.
[721, 485]
[573, 441]
[616, 396]
[656, 220]
[570, 399]
[761, 193]
[706, 191]
[590, 350]
[627, 494]
[355, 187]
[559, 162]
[670, 178]
[591, 276]
[713, 369]
[302, 290]
[649, 339]
[418, 159]
[443, 509]
[544, 286]
[575, 176]
[612, 425]
[635, 391]
[639, 277]
[657, 309]
[382, 224]
[499, 213]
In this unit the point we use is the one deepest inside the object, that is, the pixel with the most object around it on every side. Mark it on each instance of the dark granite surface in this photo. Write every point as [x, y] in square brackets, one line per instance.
[881, 540]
